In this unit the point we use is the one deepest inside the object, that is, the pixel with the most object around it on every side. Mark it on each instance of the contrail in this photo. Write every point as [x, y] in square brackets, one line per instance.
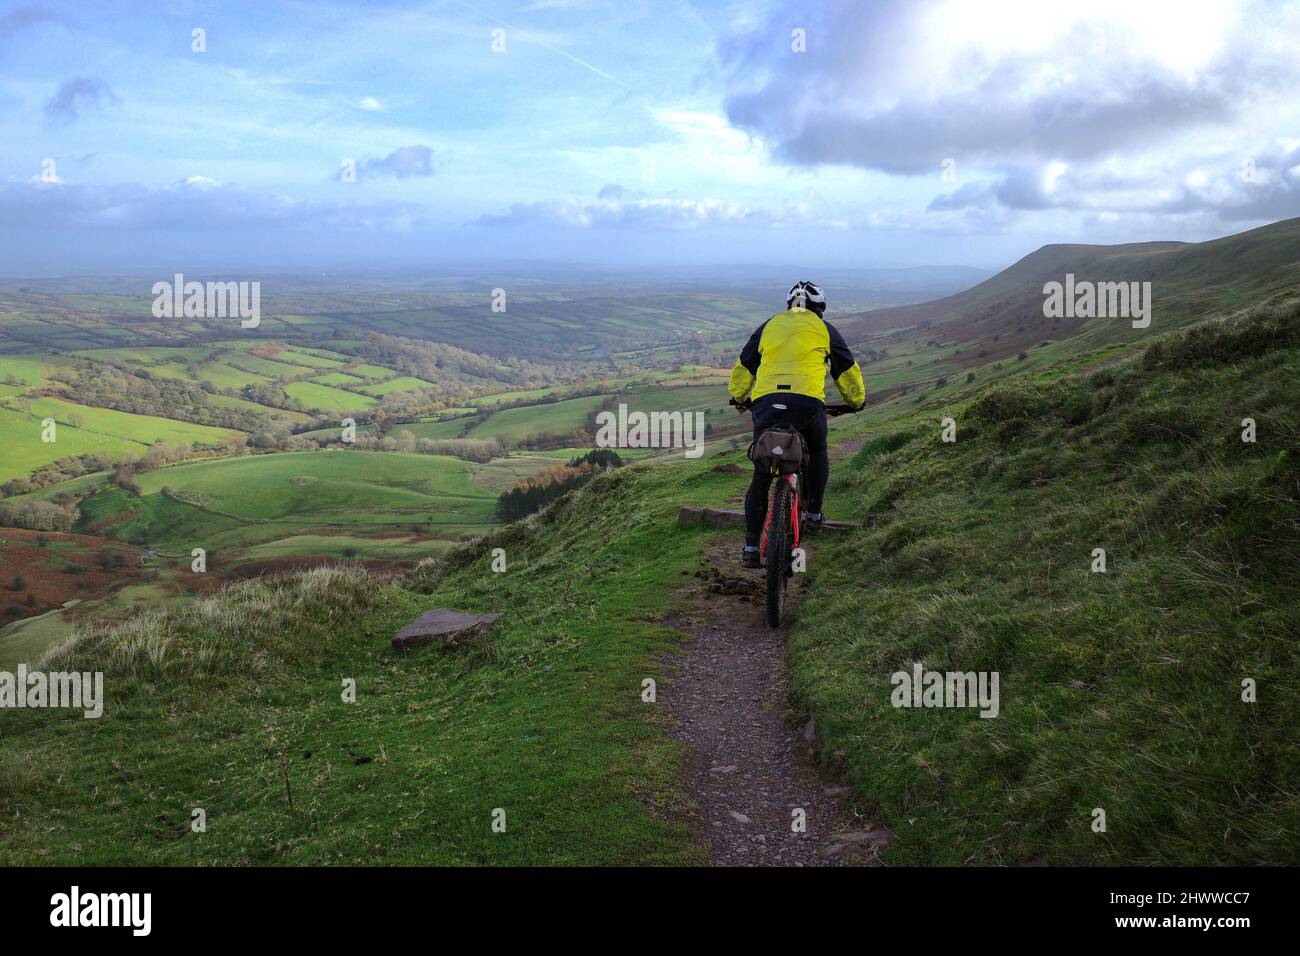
[541, 42]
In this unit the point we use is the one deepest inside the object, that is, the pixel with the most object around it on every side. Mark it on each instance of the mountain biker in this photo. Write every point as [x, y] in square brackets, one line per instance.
[784, 363]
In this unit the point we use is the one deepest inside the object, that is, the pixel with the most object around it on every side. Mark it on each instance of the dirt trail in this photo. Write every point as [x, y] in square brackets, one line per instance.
[749, 764]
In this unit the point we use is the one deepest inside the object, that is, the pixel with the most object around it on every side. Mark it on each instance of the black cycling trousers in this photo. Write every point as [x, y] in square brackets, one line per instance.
[808, 416]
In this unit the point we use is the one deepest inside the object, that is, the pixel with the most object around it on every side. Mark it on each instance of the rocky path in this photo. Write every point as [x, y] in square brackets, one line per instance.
[750, 768]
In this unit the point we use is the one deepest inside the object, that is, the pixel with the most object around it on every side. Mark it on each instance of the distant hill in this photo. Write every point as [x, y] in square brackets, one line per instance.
[1189, 281]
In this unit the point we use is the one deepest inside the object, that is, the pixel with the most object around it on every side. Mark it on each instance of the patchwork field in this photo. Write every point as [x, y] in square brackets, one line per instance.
[81, 430]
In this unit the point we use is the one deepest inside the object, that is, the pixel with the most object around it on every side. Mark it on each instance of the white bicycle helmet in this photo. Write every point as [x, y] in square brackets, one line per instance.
[806, 295]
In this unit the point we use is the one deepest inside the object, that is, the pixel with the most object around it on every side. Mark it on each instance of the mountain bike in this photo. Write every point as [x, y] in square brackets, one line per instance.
[781, 448]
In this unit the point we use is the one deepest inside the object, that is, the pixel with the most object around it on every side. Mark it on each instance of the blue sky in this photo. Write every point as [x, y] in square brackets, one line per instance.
[636, 132]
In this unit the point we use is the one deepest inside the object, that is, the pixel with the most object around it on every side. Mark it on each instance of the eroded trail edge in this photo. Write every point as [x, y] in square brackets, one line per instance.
[750, 767]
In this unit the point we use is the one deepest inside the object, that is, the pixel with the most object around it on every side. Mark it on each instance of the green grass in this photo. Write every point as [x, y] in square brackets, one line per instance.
[227, 401]
[262, 506]
[28, 639]
[443, 429]
[317, 482]
[27, 371]
[554, 418]
[326, 399]
[267, 368]
[372, 371]
[497, 397]
[545, 722]
[335, 546]
[1119, 690]
[20, 436]
[223, 375]
[405, 383]
[118, 434]
[337, 378]
[145, 429]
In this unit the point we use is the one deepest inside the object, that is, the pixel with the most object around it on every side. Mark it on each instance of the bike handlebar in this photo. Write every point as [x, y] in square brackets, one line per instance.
[832, 411]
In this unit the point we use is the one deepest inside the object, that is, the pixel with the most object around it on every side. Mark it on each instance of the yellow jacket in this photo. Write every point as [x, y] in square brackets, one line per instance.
[789, 352]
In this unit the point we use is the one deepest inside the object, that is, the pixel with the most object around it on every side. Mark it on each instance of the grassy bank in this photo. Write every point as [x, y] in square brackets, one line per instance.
[217, 703]
[1120, 690]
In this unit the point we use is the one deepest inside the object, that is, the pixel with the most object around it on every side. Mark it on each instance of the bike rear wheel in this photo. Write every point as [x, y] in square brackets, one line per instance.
[778, 552]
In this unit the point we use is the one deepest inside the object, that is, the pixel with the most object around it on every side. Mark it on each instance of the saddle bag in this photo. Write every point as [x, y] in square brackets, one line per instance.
[780, 448]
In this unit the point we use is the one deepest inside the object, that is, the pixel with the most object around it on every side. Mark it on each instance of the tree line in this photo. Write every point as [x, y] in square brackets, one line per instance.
[533, 494]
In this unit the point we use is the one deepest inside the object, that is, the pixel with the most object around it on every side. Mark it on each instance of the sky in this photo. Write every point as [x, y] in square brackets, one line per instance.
[396, 136]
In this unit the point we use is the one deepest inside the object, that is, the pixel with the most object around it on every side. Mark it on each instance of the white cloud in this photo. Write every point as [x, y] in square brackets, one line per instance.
[1037, 102]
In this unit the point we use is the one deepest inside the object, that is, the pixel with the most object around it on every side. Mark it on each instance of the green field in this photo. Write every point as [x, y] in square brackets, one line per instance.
[555, 418]
[327, 399]
[227, 401]
[337, 378]
[309, 359]
[23, 371]
[450, 428]
[273, 504]
[499, 397]
[403, 384]
[223, 375]
[24, 451]
[115, 433]
[372, 371]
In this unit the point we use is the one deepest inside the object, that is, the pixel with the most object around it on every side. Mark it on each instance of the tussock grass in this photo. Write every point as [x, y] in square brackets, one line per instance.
[247, 628]
[1247, 333]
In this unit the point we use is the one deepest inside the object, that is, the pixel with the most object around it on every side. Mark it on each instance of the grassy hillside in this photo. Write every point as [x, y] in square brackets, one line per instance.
[216, 703]
[1120, 690]
[1002, 317]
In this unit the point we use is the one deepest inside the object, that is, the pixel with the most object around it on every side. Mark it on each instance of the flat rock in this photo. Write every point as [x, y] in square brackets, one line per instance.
[881, 837]
[449, 627]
